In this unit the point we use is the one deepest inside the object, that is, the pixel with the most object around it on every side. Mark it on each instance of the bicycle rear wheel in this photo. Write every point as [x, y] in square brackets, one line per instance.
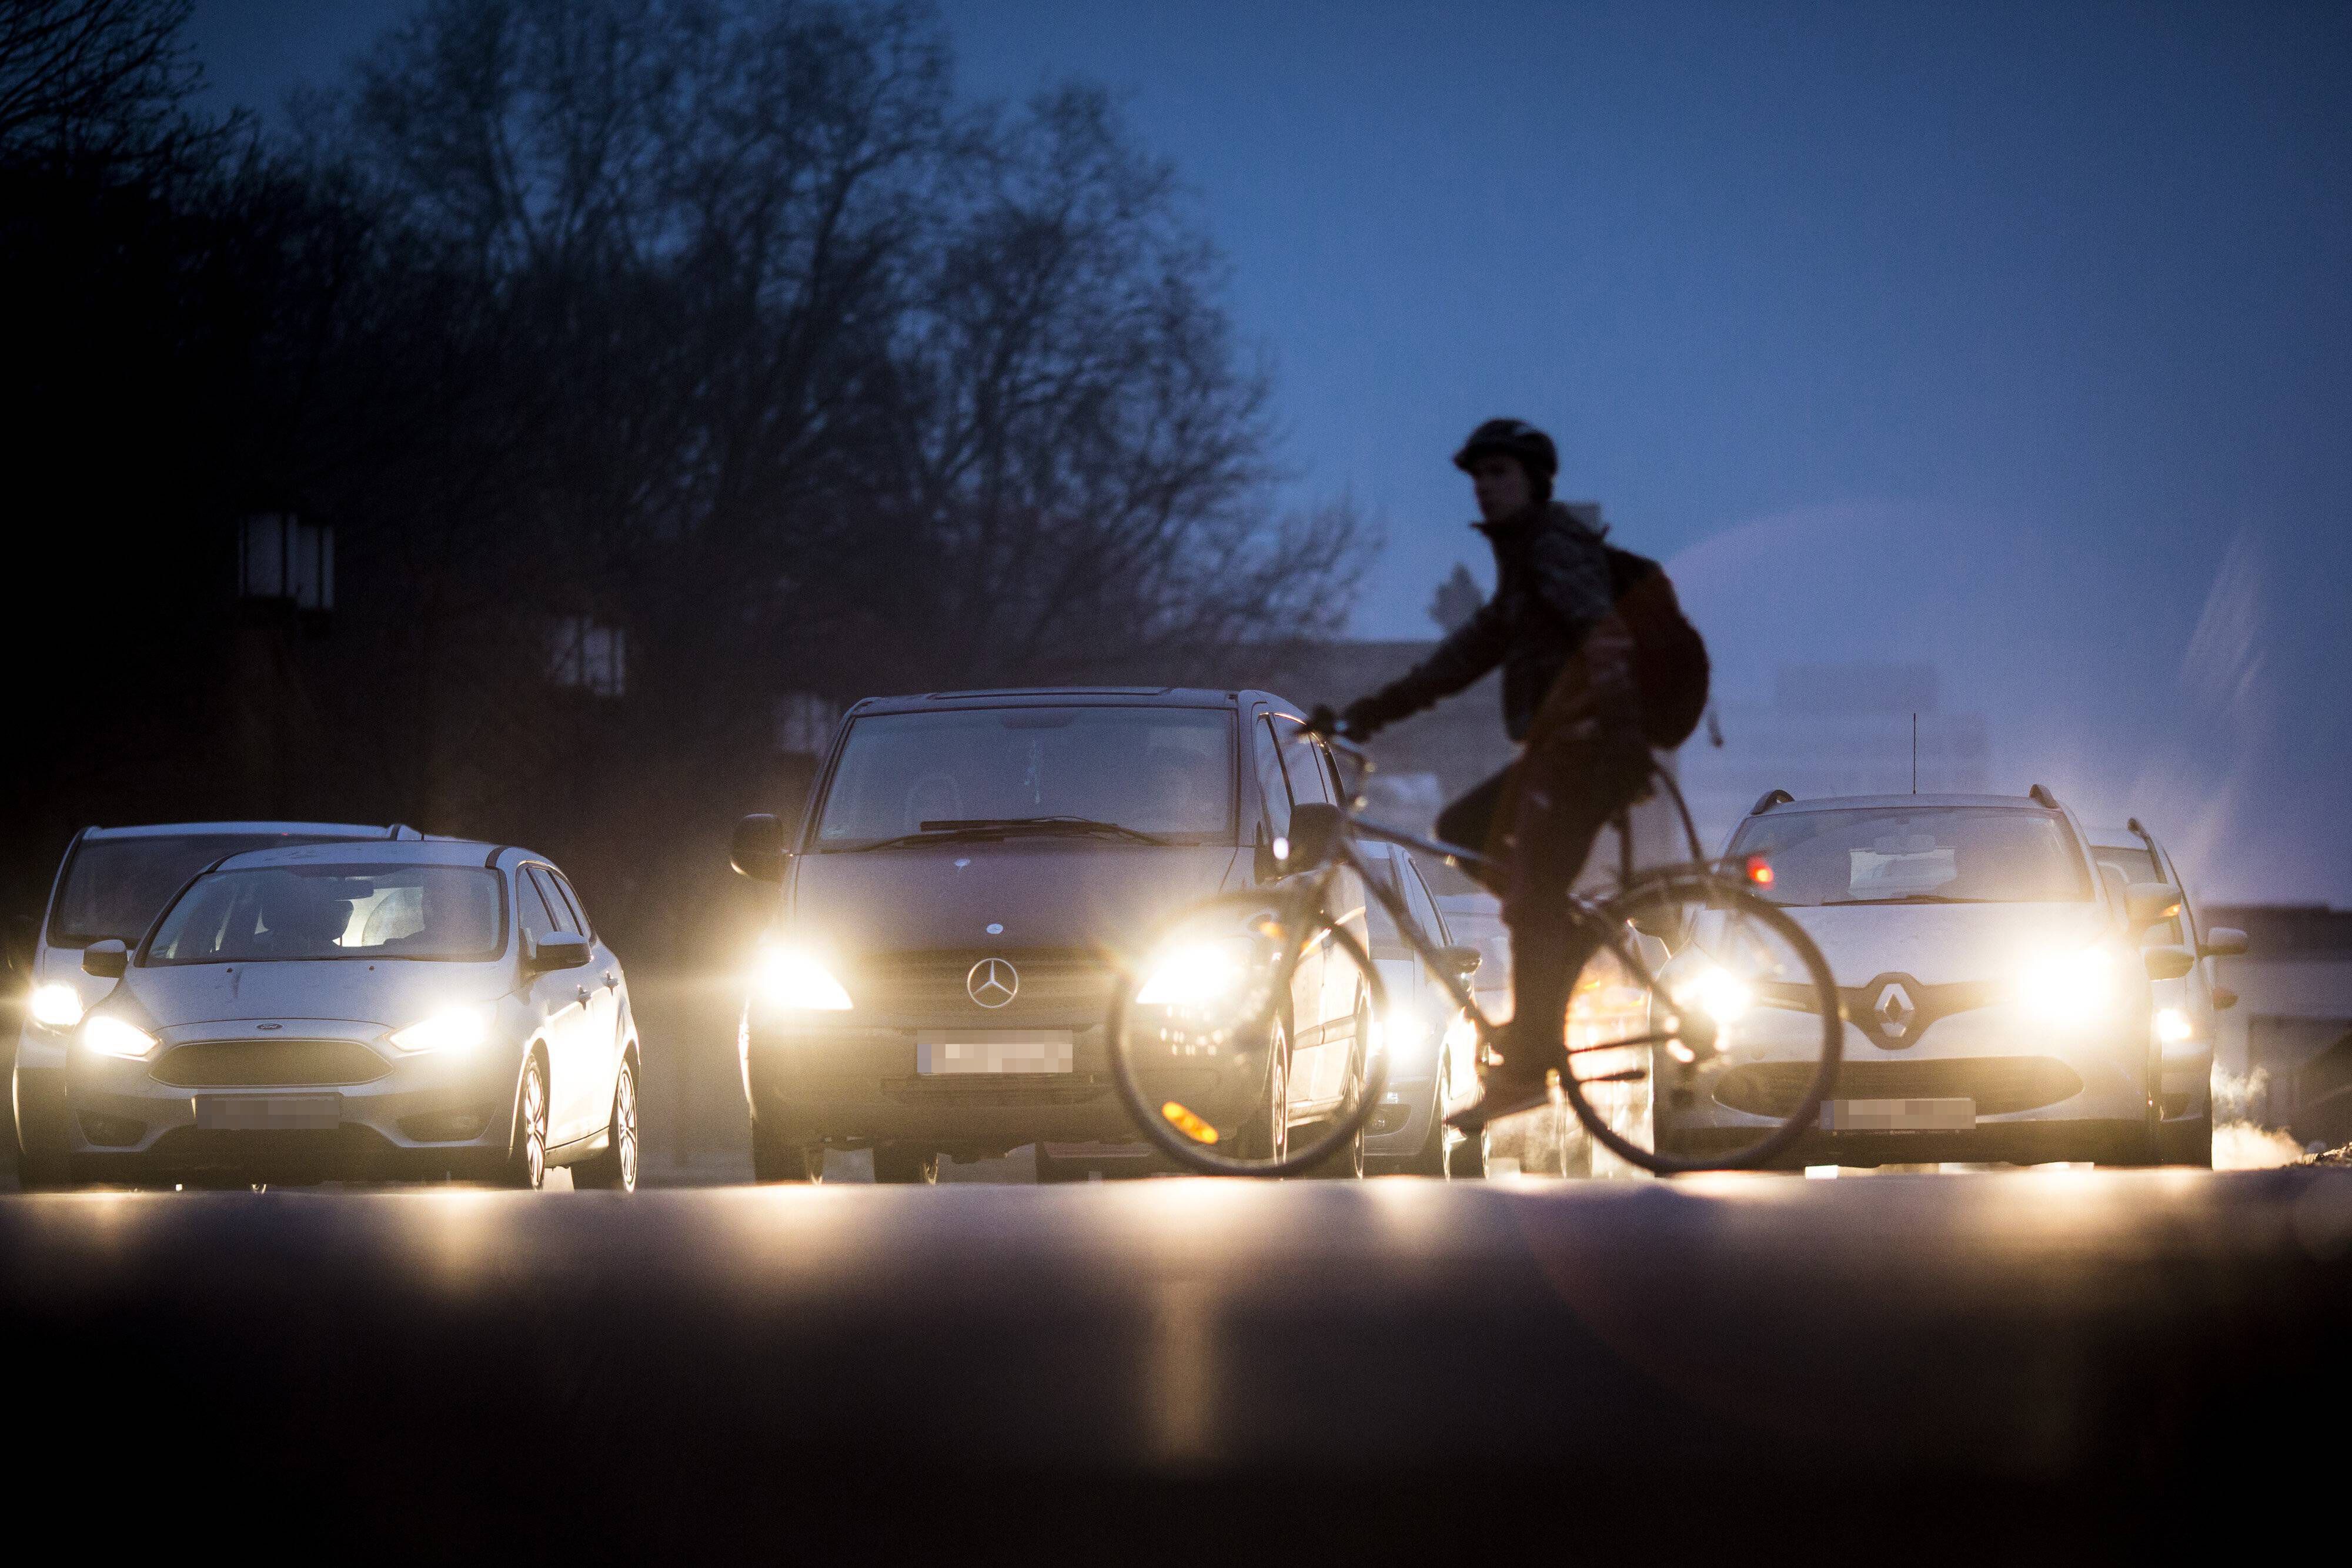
[1703, 1032]
[1247, 1040]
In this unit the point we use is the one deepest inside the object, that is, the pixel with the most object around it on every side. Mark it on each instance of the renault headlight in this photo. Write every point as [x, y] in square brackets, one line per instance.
[2069, 987]
[56, 1005]
[789, 979]
[454, 1029]
[1196, 973]
[109, 1036]
[1715, 991]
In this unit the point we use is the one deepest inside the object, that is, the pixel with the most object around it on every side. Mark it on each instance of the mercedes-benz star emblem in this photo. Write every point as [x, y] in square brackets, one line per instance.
[993, 982]
[1895, 1010]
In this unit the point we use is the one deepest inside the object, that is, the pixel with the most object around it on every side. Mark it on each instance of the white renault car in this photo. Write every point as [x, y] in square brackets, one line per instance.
[1999, 1002]
[359, 1009]
[1433, 1049]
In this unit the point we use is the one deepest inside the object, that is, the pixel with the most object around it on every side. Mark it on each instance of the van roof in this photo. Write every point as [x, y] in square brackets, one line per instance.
[1070, 697]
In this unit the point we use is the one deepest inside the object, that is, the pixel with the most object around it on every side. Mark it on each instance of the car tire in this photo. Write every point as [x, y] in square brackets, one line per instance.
[2188, 1143]
[774, 1160]
[526, 1162]
[904, 1165]
[1266, 1136]
[1346, 1162]
[616, 1169]
[1466, 1160]
[1430, 1159]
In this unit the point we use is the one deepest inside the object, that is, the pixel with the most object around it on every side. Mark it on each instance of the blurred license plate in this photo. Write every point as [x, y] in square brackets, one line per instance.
[268, 1113]
[1898, 1116]
[939, 1053]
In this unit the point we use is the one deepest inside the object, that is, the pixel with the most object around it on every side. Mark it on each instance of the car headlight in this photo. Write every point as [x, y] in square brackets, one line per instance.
[1196, 972]
[792, 980]
[2172, 1026]
[2069, 987]
[109, 1036]
[56, 1005]
[457, 1028]
[1715, 991]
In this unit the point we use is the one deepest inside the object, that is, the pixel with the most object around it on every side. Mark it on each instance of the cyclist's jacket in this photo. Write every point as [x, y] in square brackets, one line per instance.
[1553, 614]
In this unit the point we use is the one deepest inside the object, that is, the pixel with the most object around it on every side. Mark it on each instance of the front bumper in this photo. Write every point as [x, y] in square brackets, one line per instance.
[2040, 1095]
[425, 1115]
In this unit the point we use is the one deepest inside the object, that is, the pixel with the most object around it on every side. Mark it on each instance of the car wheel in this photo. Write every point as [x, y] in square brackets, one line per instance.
[616, 1170]
[2188, 1143]
[1346, 1162]
[1430, 1159]
[1266, 1137]
[526, 1164]
[1467, 1159]
[905, 1164]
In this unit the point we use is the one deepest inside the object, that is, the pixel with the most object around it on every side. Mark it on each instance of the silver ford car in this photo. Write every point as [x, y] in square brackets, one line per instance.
[359, 1009]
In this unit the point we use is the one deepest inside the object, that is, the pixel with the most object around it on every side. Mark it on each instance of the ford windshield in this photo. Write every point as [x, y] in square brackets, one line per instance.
[275, 914]
[1163, 774]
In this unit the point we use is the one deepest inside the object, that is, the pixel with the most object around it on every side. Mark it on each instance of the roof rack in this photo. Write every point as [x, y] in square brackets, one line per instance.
[401, 830]
[490, 861]
[2040, 796]
[1770, 799]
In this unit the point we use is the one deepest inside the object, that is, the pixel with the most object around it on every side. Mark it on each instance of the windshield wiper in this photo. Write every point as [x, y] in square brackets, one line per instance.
[947, 828]
[1916, 898]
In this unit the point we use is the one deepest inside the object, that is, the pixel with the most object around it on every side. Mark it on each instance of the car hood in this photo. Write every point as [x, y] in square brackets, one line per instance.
[1045, 894]
[1940, 943]
[388, 991]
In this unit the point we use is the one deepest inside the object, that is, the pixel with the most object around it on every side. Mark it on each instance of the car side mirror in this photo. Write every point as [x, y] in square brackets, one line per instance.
[1314, 834]
[2224, 999]
[757, 849]
[557, 950]
[1462, 961]
[2222, 941]
[105, 959]
[2149, 902]
[2168, 963]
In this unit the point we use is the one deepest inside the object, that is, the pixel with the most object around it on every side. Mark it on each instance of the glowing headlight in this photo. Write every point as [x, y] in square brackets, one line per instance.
[2172, 1026]
[109, 1036]
[1717, 992]
[459, 1029]
[795, 981]
[2069, 987]
[1405, 1029]
[58, 1006]
[1195, 973]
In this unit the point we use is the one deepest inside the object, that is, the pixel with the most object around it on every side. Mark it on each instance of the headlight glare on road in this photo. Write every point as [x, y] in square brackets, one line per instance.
[1195, 973]
[2069, 987]
[109, 1036]
[456, 1029]
[56, 1005]
[2172, 1026]
[793, 981]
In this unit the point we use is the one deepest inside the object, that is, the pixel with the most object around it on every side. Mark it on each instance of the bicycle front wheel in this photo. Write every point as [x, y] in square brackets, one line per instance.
[1705, 1030]
[1248, 1039]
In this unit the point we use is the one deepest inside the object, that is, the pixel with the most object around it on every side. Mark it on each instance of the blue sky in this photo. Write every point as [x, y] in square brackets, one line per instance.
[2013, 337]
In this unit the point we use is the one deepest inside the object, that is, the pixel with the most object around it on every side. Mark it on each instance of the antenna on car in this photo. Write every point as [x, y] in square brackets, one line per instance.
[2042, 797]
[1915, 754]
[1770, 799]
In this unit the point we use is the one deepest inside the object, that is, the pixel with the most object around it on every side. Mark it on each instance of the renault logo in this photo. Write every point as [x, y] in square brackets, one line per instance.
[1894, 1010]
[993, 982]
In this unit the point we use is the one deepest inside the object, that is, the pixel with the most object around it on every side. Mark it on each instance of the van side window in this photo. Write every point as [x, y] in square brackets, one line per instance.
[560, 900]
[1270, 781]
[1419, 904]
[1302, 760]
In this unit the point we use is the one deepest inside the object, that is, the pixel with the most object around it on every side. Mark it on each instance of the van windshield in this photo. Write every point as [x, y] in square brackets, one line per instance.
[113, 887]
[1951, 854]
[1166, 772]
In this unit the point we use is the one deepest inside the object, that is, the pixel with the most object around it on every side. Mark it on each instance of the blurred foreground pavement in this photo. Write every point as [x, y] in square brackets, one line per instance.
[2044, 1365]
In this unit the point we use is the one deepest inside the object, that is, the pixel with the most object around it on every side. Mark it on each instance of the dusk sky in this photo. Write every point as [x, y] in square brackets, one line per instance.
[2013, 338]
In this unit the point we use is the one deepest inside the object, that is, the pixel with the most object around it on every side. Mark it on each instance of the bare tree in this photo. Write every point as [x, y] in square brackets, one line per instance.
[97, 82]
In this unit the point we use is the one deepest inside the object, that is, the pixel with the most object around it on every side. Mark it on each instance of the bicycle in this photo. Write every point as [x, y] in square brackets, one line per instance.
[1725, 1039]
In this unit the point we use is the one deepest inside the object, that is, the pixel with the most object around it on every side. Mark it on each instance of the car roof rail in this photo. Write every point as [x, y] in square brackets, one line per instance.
[2040, 796]
[490, 862]
[1769, 799]
[401, 830]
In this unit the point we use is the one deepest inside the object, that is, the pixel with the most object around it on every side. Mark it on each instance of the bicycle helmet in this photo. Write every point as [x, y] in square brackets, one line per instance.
[1513, 438]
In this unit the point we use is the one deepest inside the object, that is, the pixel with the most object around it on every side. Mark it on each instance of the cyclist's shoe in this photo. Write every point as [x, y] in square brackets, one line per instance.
[1522, 1080]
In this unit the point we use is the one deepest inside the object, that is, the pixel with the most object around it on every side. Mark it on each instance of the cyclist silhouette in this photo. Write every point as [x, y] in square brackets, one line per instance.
[1571, 701]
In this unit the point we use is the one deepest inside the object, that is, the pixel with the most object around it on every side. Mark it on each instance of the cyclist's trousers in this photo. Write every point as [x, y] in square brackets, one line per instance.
[1537, 821]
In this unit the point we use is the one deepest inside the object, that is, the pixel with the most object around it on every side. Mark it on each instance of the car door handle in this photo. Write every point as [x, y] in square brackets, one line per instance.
[611, 981]
[582, 990]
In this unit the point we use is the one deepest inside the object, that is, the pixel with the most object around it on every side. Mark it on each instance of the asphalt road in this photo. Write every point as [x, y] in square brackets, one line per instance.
[2048, 1364]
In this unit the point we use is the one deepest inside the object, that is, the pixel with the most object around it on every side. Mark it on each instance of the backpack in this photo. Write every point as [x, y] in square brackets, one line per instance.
[1670, 665]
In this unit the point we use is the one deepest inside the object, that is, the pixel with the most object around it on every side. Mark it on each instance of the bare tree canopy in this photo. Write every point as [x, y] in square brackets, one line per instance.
[100, 79]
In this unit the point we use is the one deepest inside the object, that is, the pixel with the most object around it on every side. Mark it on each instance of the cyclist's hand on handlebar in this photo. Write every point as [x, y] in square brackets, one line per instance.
[1321, 720]
[1351, 724]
